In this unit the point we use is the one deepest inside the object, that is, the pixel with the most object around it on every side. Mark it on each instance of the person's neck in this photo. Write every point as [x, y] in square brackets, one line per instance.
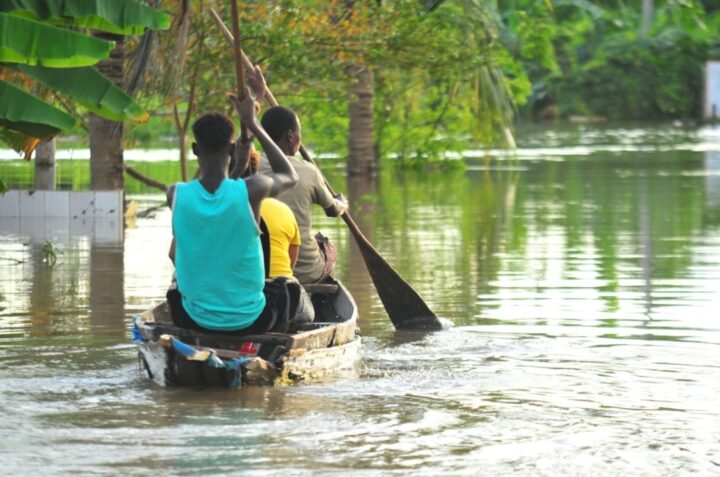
[285, 147]
[213, 173]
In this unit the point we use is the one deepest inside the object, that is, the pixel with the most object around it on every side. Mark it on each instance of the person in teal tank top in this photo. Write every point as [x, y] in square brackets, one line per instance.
[216, 241]
[220, 291]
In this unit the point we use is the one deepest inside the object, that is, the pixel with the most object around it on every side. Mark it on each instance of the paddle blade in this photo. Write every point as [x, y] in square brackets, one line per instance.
[406, 309]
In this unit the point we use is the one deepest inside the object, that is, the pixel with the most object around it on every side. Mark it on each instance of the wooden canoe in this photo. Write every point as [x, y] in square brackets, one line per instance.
[173, 356]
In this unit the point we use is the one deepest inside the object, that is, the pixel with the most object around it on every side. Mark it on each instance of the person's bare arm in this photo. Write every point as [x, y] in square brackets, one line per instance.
[293, 251]
[242, 158]
[256, 81]
[170, 194]
[171, 252]
[283, 176]
[339, 206]
[243, 150]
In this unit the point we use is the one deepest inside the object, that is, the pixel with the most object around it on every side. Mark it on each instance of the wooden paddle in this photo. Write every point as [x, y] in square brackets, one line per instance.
[237, 50]
[403, 304]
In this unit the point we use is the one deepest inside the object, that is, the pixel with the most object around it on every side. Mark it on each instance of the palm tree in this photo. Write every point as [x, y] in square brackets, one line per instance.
[362, 158]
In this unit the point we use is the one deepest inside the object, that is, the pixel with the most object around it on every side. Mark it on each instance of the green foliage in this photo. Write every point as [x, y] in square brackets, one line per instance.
[32, 48]
[30, 42]
[442, 80]
[606, 64]
[75, 174]
[658, 78]
[3, 187]
[90, 89]
[49, 253]
[104, 15]
[26, 114]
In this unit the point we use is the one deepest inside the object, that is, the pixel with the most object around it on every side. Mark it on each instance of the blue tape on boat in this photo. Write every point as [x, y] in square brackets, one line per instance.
[137, 336]
[236, 363]
[214, 361]
[190, 353]
[184, 349]
[237, 375]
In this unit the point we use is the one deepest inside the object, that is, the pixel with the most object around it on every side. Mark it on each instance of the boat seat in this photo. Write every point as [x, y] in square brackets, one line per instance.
[321, 288]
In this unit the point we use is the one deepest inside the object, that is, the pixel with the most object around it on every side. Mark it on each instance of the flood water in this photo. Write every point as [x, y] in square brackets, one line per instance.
[582, 276]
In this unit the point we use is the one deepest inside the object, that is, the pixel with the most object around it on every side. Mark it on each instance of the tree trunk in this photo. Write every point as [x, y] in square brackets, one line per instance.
[361, 147]
[647, 15]
[106, 137]
[45, 165]
[183, 158]
[182, 130]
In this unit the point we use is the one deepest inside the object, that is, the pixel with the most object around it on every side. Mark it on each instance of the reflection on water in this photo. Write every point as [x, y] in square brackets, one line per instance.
[583, 290]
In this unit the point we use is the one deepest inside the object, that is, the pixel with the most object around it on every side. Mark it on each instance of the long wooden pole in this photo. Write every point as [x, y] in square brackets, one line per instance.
[247, 64]
[404, 306]
[237, 50]
[269, 97]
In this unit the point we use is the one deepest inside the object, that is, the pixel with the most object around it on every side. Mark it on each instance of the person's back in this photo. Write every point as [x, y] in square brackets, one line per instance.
[282, 236]
[219, 290]
[284, 128]
[308, 191]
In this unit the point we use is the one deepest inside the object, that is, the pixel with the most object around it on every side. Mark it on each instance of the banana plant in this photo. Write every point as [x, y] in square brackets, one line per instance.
[45, 54]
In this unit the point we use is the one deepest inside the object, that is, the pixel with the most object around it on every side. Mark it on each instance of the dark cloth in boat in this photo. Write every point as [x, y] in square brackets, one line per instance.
[300, 309]
[329, 253]
[180, 317]
[287, 307]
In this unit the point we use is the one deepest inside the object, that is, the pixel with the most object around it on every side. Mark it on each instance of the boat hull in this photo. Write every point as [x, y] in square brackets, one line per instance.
[327, 347]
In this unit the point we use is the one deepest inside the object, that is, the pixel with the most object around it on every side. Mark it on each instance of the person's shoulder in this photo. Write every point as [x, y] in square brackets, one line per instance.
[257, 186]
[308, 170]
[240, 182]
[277, 206]
[277, 211]
[305, 164]
[264, 165]
[172, 191]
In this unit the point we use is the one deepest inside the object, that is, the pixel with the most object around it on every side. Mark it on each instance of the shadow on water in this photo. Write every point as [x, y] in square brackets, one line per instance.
[107, 291]
[362, 197]
[84, 289]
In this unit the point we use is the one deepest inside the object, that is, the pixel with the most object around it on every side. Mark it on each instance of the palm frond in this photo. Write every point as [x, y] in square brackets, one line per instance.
[90, 89]
[126, 17]
[29, 42]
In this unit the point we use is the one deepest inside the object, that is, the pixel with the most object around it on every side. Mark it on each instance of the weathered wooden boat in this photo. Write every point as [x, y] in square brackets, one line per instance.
[173, 356]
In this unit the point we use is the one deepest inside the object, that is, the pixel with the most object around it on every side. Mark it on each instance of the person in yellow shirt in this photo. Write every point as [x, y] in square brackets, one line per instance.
[280, 239]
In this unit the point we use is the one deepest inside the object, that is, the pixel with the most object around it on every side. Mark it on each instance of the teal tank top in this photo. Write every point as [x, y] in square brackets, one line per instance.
[218, 255]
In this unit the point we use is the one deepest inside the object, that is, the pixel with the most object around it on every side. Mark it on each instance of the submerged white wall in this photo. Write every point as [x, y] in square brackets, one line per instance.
[712, 90]
[56, 215]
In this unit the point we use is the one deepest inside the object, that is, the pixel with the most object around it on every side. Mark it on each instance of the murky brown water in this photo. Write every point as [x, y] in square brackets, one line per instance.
[582, 276]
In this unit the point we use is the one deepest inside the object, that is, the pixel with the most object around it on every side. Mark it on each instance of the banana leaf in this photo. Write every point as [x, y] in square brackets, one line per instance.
[24, 113]
[91, 89]
[19, 141]
[30, 42]
[124, 17]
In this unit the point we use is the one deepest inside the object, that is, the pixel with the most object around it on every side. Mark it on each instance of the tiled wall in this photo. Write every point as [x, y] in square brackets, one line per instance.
[61, 203]
[56, 215]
